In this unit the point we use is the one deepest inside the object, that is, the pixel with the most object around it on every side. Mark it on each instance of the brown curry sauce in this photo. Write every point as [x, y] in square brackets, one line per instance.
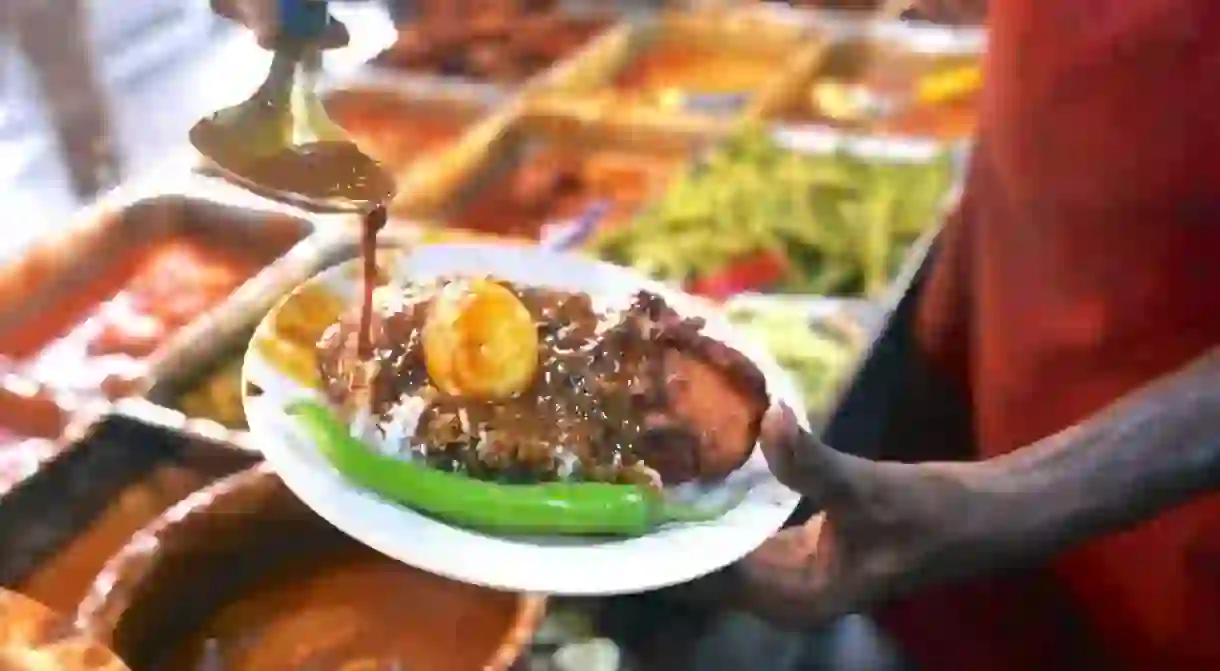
[612, 400]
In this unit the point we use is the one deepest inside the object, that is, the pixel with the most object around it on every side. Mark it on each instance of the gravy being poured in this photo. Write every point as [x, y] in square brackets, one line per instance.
[336, 171]
[374, 221]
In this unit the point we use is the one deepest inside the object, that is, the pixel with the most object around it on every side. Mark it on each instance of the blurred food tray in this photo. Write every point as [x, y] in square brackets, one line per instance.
[492, 48]
[242, 573]
[401, 123]
[710, 68]
[89, 309]
[889, 79]
[913, 16]
[541, 169]
[834, 18]
[863, 6]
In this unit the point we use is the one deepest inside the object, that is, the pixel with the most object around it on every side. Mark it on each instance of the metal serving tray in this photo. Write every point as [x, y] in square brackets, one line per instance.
[858, 46]
[467, 104]
[62, 273]
[35, 427]
[223, 339]
[58, 526]
[531, 130]
[577, 86]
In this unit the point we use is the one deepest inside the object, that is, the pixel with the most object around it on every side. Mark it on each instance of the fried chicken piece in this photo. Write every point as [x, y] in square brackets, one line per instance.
[706, 411]
[722, 416]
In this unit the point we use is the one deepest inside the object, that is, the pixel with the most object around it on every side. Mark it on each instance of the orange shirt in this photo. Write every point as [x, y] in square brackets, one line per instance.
[1083, 262]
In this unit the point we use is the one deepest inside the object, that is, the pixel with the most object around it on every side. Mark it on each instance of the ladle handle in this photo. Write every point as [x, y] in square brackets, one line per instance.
[303, 20]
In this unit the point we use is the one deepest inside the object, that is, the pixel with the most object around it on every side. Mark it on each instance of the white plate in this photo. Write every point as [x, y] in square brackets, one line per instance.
[575, 566]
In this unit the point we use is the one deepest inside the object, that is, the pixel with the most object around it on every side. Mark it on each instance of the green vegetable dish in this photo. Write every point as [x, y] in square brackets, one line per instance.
[756, 216]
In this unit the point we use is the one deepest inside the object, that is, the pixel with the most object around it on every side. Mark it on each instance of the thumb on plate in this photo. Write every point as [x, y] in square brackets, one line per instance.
[799, 460]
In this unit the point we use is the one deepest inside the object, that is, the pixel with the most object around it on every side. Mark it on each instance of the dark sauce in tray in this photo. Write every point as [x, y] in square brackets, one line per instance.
[104, 333]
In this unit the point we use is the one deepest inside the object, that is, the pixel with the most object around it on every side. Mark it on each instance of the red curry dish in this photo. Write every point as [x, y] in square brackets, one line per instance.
[635, 395]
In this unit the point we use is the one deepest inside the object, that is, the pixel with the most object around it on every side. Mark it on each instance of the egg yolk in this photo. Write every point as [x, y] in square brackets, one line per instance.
[480, 341]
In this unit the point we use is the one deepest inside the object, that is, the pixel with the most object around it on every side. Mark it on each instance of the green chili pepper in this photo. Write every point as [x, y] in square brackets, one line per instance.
[553, 508]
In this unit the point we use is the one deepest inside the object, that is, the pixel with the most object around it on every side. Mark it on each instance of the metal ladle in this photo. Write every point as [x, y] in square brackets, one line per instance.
[281, 143]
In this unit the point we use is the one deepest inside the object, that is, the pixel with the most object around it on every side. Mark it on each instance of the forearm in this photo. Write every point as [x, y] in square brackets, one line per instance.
[1155, 449]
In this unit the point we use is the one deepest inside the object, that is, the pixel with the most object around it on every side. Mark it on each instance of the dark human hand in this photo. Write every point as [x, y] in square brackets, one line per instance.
[884, 529]
[262, 18]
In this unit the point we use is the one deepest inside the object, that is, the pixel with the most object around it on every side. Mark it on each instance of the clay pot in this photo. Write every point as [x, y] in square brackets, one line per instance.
[243, 576]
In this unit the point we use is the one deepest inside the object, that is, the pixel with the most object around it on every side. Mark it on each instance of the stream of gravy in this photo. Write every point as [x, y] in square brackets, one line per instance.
[374, 221]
